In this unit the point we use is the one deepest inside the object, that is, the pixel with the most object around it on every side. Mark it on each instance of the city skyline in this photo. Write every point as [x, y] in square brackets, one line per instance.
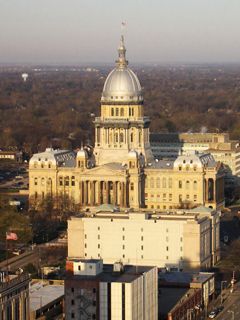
[88, 32]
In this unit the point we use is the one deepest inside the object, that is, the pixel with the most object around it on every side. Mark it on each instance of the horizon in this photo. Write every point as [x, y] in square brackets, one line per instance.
[88, 31]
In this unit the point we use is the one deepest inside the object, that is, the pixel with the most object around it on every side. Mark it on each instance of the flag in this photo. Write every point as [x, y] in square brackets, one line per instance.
[123, 25]
[11, 236]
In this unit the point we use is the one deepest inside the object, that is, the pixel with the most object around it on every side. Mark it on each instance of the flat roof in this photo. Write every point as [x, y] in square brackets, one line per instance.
[177, 277]
[41, 296]
[129, 274]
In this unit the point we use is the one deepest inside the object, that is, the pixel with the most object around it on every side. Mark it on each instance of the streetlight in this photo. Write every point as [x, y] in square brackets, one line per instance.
[222, 282]
[233, 314]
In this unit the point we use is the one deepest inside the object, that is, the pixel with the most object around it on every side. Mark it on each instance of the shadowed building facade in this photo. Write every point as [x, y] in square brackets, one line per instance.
[121, 169]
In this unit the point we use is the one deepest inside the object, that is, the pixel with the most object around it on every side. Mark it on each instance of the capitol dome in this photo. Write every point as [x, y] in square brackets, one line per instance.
[122, 84]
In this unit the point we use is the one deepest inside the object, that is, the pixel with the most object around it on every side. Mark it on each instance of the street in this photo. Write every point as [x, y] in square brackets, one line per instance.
[231, 306]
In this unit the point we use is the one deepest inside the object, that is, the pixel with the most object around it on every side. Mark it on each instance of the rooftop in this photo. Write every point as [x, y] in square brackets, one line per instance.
[41, 296]
[127, 275]
[183, 278]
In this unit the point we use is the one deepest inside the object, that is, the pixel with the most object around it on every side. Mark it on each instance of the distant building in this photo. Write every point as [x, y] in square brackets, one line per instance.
[219, 145]
[14, 297]
[179, 303]
[183, 239]
[46, 300]
[201, 280]
[96, 291]
[11, 155]
[121, 169]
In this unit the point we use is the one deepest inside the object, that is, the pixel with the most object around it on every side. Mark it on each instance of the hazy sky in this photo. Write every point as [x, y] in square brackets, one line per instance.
[77, 31]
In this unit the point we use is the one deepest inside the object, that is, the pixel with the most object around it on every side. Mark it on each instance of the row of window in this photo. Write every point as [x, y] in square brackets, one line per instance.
[168, 183]
[66, 181]
[43, 165]
[42, 181]
[115, 112]
[156, 197]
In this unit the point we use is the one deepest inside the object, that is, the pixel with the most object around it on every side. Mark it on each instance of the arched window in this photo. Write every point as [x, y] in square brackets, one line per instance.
[158, 183]
[132, 186]
[131, 137]
[42, 181]
[152, 183]
[170, 183]
[132, 111]
[180, 184]
[117, 112]
[35, 181]
[164, 183]
[187, 185]
[112, 112]
[60, 181]
[194, 185]
[73, 181]
[116, 137]
[122, 112]
[121, 137]
[49, 165]
[66, 181]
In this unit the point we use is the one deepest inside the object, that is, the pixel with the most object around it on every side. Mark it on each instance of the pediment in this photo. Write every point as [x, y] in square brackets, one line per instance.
[104, 170]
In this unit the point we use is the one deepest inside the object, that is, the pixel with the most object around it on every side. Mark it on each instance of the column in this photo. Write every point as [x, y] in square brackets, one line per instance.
[85, 197]
[80, 193]
[125, 195]
[214, 190]
[91, 193]
[206, 189]
[98, 193]
[107, 192]
[114, 192]
[122, 194]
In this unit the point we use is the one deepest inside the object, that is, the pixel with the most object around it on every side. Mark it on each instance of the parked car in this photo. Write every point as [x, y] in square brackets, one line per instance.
[213, 314]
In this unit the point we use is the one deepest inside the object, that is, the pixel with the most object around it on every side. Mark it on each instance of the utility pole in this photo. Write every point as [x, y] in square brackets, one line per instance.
[222, 282]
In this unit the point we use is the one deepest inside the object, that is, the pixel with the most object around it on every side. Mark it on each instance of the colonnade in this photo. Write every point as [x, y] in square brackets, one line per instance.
[214, 189]
[94, 193]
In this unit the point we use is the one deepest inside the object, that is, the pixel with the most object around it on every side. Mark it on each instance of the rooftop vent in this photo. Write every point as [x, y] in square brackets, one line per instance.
[118, 267]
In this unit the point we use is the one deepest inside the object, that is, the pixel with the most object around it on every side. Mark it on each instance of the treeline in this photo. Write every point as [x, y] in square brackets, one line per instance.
[56, 108]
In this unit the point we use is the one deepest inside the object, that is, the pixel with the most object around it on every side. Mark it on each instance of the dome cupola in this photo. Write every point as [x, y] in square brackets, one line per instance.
[122, 85]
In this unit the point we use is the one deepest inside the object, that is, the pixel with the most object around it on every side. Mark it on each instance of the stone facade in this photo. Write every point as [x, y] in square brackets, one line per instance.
[184, 239]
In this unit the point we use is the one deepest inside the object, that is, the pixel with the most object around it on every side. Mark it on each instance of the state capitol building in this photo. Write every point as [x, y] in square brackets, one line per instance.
[121, 170]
